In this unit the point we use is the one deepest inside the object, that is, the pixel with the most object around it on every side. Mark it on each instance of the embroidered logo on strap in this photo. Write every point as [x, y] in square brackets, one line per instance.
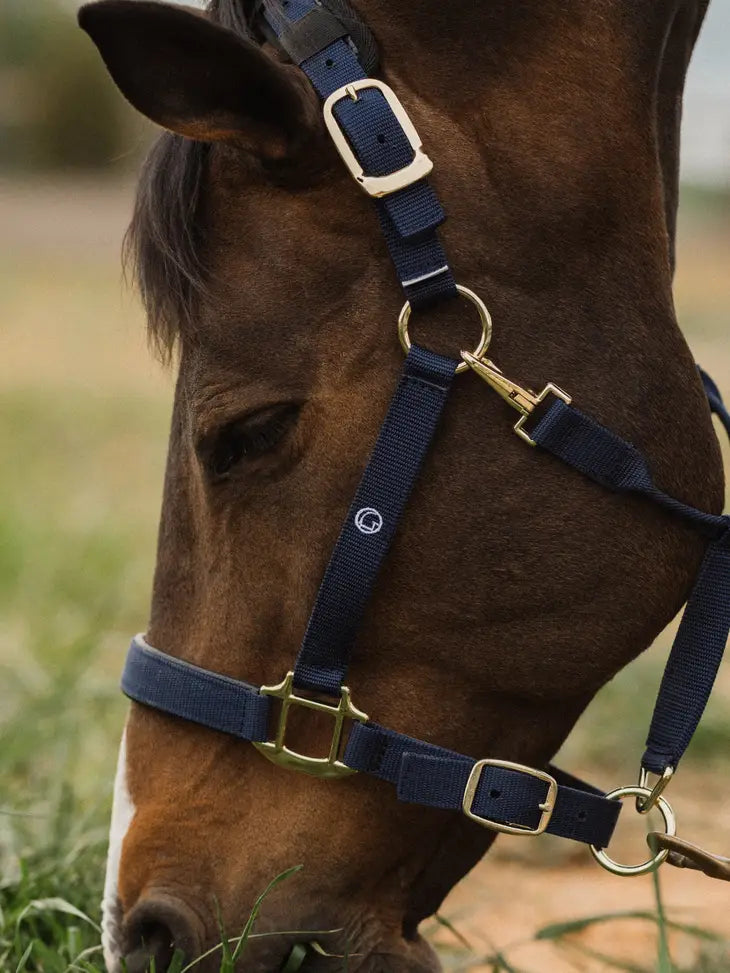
[368, 520]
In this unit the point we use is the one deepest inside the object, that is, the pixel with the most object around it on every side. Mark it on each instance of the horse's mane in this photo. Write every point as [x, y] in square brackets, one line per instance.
[164, 242]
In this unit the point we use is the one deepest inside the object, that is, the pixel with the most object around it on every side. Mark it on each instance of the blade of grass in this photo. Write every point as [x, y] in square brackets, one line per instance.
[176, 963]
[264, 935]
[257, 907]
[557, 930]
[24, 959]
[229, 957]
[297, 956]
[55, 905]
[224, 945]
[664, 959]
[447, 924]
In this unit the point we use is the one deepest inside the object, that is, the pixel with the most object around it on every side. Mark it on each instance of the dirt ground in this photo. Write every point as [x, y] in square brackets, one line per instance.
[526, 885]
[505, 903]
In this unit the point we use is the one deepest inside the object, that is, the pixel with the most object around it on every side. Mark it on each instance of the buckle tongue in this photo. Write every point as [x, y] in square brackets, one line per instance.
[377, 186]
[546, 807]
[278, 753]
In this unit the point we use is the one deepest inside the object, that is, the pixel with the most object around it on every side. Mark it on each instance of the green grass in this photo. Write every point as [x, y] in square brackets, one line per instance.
[74, 575]
[82, 441]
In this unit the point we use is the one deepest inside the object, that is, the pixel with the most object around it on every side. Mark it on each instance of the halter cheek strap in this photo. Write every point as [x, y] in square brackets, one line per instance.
[371, 119]
[371, 523]
[382, 150]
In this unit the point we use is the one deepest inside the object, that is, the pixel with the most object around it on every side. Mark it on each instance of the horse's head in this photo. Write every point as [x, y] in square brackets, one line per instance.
[494, 621]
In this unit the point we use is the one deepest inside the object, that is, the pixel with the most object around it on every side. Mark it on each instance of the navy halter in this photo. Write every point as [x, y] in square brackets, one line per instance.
[381, 148]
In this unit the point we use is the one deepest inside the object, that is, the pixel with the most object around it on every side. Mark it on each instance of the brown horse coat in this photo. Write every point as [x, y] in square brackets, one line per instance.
[515, 588]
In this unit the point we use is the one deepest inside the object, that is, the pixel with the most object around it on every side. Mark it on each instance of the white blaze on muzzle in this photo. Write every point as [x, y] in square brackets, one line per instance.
[122, 814]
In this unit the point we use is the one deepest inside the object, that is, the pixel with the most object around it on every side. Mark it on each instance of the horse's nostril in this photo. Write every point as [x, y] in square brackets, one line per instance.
[155, 942]
[154, 930]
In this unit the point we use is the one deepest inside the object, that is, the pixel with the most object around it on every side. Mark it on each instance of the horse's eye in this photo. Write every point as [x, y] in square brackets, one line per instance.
[247, 438]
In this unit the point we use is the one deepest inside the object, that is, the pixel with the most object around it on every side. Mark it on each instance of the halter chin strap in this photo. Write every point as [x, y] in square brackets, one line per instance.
[383, 152]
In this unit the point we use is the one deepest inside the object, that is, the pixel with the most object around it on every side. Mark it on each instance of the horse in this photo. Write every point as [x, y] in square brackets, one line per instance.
[514, 589]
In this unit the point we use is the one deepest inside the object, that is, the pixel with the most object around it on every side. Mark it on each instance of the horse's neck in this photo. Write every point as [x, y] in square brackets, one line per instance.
[681, 36]
[554, 130]
[599, 83]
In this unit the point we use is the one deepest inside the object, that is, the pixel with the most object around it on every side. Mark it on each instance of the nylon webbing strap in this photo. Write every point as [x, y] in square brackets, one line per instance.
[436, 777]
[698, 648]
[325, 22]
[717, 406]
[311, 34]
[182, 689]
[372, 519]
[693, 662]
[600, 454]
[409, 217]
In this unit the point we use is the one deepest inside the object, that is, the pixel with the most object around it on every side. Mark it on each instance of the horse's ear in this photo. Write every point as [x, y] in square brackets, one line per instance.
[201, 80]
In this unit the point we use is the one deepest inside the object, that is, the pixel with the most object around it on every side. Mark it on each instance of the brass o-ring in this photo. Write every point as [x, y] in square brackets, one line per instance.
[670, 828]
[484, 316]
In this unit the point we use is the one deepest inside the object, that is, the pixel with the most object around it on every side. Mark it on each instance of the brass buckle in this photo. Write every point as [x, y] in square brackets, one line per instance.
[278, 753]
[524, 400]
[547, 807]
[377, 186]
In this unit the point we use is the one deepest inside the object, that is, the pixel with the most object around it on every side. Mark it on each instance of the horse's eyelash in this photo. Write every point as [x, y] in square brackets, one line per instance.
[247, 439]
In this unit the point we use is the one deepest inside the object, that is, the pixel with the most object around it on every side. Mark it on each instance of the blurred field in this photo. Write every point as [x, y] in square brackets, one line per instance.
[83, 430]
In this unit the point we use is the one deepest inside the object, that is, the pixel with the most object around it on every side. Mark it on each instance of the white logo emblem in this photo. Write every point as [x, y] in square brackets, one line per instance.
[368, 520]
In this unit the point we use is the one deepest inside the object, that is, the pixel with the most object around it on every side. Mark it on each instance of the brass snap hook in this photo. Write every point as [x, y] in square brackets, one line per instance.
[683, 854]
[644, 806]
[524, 400]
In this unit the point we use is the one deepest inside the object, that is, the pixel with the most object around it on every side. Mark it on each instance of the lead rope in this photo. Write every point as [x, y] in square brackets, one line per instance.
[683, 854]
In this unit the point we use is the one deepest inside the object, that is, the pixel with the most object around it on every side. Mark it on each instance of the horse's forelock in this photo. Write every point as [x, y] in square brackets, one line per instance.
[164, 241]
[233, 14]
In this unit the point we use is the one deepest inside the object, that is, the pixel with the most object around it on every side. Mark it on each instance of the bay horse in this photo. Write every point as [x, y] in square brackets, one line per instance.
[514, 589]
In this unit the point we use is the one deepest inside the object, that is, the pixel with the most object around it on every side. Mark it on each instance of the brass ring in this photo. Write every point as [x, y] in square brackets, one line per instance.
[484, 316]
[670, 828]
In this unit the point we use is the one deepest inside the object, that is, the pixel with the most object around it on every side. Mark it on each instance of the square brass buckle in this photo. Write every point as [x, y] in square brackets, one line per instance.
[547, 807]
[420, 165]
[277, 751]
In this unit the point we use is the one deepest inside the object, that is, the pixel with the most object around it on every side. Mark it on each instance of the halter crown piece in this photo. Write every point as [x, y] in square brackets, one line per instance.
[383, 152]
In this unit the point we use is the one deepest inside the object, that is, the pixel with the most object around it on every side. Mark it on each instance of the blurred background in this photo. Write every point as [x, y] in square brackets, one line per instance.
[83, 431]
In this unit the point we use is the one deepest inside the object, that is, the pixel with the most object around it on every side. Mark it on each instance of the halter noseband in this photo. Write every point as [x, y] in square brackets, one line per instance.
[383, 152]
